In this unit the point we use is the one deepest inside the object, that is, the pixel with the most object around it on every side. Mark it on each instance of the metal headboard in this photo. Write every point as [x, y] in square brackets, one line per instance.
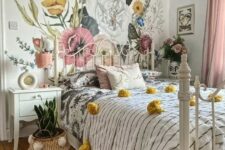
[120, 55]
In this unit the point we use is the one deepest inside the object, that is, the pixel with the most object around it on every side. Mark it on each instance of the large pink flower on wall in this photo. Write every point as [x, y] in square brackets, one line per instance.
[72, 41]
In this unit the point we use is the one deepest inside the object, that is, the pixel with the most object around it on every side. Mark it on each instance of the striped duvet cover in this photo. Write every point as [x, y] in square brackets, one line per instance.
[124, 124]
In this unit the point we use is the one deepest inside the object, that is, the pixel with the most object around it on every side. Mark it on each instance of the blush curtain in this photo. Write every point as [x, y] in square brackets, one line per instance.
[213, 68]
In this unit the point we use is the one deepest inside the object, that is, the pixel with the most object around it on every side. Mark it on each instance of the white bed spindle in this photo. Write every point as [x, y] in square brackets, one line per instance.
[214, 124]
[153, 56]
[184, 96]
[197, 86]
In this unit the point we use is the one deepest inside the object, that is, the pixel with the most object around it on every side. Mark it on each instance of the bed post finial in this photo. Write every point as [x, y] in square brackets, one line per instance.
[184, 96]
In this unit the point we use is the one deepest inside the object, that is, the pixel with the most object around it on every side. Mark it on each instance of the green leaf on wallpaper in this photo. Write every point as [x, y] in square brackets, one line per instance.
[132, 32]
[25, 16]
[53, 32]
[75, 21]
[47, 15]
[53, 24]
[128, 2]
[81, 13]
[34, 10]
[67, 12]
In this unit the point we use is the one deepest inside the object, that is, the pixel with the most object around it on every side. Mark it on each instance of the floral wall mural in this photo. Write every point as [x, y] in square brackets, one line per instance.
[113, 17]
[77, 23]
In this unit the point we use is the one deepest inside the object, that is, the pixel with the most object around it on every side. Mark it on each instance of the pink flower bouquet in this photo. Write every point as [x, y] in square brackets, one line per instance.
[174, 48]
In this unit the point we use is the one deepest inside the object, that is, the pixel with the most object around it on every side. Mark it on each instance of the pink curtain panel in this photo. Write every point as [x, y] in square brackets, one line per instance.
[213, 66]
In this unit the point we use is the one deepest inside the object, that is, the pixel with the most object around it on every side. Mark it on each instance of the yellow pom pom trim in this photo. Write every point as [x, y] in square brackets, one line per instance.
[151, 90]
[93, 108]
[192, 101]
[85, 146]
[217, 98]
[124, 93]
[154, 107]
[170, 89]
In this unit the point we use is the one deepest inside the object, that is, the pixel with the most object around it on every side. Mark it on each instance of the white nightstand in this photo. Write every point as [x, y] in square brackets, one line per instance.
[21, 107]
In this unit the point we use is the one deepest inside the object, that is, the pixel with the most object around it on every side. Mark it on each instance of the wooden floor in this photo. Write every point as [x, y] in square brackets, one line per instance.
[23, 145]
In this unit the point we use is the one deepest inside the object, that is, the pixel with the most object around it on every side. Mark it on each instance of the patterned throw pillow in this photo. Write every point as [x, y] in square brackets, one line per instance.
[87, 78]
[149, 75]
[80, 79]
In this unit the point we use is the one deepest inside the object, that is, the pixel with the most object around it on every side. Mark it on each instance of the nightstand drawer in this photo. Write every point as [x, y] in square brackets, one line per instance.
[27, 107]
[37, 96]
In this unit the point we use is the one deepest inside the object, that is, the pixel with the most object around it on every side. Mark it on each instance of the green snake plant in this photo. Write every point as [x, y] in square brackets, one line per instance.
[47, 119]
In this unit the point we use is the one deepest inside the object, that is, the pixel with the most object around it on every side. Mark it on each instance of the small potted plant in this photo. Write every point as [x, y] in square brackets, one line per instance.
[43, 57]
[48, 136]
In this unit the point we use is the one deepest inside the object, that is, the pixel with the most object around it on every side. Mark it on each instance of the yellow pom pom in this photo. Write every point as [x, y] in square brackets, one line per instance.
[154, 107]
[192, 101]
[85, 146]
[151, 90]
[170, 89]
[124, 93]
[93, 108]
[216, 98]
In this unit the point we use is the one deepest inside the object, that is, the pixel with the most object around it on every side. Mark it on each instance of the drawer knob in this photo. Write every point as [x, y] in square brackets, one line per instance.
[37, 96]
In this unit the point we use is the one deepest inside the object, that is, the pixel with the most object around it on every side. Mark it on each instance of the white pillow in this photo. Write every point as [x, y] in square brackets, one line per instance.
[118, 79]
[127, 77]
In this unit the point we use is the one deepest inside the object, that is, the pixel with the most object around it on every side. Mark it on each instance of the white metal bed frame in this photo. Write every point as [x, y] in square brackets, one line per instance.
[183, 95]
[116, 56]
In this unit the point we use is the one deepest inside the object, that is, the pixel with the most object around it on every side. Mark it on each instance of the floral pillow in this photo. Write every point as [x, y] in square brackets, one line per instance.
[150, 75]
[87, 78]
[81, 79]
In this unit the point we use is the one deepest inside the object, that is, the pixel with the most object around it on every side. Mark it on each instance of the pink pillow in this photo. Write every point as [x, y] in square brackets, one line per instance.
[102, 75]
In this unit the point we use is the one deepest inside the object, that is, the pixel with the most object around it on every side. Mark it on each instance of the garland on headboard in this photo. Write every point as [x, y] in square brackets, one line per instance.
[133, 21]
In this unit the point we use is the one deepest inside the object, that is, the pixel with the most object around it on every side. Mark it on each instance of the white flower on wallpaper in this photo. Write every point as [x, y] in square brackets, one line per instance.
[112, 16]
[153, 17]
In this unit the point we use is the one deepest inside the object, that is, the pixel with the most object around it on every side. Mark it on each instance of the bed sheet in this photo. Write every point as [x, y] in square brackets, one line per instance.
[123, 123]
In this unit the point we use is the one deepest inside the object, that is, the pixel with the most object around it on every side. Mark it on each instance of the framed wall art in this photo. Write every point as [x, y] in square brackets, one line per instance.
[185, 19]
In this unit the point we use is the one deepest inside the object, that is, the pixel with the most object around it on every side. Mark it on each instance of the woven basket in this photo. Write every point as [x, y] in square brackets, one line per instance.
[58, 142]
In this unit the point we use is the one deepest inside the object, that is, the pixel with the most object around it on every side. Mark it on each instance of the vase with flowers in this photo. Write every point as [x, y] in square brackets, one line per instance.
[43, 57]
[173, 49]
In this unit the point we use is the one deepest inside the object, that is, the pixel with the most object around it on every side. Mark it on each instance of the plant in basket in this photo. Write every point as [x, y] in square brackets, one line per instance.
[48, 135]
